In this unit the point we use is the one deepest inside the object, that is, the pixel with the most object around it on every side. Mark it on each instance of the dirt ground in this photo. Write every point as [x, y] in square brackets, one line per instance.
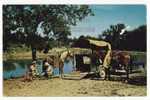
[84, 87]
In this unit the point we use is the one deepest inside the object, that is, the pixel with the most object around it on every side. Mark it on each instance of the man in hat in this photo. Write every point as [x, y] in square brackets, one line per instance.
[48, 70]
[33, 69]
[32, 72]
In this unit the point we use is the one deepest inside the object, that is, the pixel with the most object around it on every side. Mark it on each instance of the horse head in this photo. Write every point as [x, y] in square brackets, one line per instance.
[66, 55]
[70, 54]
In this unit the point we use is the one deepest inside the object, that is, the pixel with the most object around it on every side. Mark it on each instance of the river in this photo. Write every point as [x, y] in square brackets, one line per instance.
[18, 68]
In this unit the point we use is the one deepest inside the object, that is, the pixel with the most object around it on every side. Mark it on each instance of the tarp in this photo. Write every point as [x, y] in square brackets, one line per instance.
[99, 43]
[89, 43]
[103, 44]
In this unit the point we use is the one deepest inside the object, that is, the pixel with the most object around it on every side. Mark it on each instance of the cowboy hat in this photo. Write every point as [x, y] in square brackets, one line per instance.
[33, 62]
[46, 64]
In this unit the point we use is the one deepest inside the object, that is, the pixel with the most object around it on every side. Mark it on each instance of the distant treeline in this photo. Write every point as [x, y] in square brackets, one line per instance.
[133, 40]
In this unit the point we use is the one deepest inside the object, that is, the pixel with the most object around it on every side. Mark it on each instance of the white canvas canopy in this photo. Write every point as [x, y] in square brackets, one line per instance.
[103, 44]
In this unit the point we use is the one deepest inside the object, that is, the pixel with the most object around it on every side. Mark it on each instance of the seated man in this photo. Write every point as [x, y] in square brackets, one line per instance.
[33, 69]
[48, 70]
[31, 72]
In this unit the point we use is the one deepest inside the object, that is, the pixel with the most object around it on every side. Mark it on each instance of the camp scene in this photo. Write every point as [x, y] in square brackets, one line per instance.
[74, 50]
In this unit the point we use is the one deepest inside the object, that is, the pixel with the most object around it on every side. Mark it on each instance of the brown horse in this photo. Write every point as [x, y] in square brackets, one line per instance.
[122, 60]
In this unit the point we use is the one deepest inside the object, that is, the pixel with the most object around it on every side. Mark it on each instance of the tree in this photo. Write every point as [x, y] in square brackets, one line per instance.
[130, 40]
[135, 39]
[112, 35]
[20, 23]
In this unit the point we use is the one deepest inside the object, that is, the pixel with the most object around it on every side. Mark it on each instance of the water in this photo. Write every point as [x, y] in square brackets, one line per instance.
[18, 68]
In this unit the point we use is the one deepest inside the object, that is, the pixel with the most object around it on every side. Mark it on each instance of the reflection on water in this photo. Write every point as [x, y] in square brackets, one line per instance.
[17, 68]
[12, 64]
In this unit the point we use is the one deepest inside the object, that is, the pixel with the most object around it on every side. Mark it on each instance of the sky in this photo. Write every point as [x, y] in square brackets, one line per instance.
[106, 15]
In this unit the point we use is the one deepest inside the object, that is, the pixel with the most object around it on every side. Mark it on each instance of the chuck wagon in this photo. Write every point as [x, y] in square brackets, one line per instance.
[101, 59]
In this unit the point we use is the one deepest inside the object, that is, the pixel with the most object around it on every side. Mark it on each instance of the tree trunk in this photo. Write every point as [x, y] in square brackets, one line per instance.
[34, 53]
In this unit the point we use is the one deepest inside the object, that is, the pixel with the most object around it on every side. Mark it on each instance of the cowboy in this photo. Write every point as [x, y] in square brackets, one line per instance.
[48, 70]
[33, 69]
[32, 72]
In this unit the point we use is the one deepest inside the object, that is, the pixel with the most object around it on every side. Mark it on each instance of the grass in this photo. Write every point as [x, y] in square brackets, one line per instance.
[22, 55]
[28, 54]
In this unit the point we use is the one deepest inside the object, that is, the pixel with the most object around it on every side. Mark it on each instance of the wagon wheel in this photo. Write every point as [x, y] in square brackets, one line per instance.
[102, 72]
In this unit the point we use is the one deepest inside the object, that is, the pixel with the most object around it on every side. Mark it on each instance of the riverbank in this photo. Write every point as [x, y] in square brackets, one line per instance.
[22, 55]
[41, 55]
[59, 87]
[58, 51]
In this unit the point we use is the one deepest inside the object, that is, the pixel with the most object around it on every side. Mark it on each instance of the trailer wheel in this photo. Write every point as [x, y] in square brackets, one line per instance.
[102, 72]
